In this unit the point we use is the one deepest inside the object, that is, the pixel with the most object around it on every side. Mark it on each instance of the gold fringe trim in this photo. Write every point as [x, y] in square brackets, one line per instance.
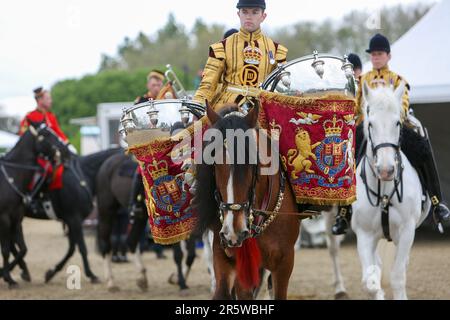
[172, 240]
[301, 101]
[326, 202]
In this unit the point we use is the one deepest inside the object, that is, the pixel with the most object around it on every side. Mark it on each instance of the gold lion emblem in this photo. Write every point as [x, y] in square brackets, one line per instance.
[298, 158]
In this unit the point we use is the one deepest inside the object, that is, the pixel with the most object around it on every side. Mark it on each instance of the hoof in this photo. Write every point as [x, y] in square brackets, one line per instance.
[142, 284]
[114, 289]
[173, 279]
[49, 276]
[25, 276]
[95, 280]
[341, 296]
[184, 292]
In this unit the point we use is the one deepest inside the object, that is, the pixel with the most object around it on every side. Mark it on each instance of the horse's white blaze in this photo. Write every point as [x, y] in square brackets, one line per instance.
[228, 227]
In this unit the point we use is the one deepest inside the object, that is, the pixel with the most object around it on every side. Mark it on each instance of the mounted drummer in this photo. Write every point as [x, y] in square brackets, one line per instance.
[415, 146]
[156, 89]
[241, 61]
[43, 114]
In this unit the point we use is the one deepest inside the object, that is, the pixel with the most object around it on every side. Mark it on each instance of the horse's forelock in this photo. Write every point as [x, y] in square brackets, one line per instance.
[383, 100]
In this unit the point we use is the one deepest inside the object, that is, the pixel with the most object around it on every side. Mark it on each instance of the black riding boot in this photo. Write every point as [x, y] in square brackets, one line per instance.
[136, 204]
[343, 219]
[419, 152]
[344, 215]
[432, 184]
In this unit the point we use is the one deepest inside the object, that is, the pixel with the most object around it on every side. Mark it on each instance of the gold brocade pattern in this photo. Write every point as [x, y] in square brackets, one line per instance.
[243, 59]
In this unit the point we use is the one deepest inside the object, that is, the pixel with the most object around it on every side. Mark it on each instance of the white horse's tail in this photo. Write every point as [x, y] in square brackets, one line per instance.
[386, 252]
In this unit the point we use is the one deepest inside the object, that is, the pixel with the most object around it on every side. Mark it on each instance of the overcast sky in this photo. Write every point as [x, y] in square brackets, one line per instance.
[44, 41]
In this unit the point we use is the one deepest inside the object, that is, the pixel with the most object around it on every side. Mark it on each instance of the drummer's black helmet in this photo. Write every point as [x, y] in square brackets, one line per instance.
[251, 4]
[379, 43]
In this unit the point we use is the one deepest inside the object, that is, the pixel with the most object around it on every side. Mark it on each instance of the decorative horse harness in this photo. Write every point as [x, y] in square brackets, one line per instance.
[258, 219]
[384, 200]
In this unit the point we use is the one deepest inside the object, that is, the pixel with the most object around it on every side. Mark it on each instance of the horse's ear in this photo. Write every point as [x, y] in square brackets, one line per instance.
[400, 91]
[252, 117]
[212, 115]
[33, 130]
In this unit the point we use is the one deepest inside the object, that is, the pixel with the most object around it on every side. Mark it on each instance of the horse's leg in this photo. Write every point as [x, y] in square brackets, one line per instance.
[371, 271]
[281, 275]
[72, 245]
[105, 223]
[142, 281]
[398, 273]
[178, 258]
[241, 293]
[223, 271]
[5, 241]
[20, 255]
[208, 256]
[190, 247]
[79, 238]
[333, 244]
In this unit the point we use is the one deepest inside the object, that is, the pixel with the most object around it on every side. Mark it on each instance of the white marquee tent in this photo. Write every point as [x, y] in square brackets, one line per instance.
[422, 56]
[7, 140]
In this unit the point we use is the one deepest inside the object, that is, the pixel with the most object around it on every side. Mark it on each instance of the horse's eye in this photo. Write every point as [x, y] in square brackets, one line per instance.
[398, 123]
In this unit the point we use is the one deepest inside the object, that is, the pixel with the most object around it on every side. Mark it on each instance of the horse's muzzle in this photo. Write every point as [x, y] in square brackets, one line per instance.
[386, 173]
[229, 242]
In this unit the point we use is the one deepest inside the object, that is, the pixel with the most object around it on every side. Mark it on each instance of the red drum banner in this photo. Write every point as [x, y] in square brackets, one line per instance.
[167, 196]
[317, 145]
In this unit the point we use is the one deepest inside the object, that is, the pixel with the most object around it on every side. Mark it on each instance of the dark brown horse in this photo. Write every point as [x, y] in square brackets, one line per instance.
[16, 172]
[240, 205]
[114, 192]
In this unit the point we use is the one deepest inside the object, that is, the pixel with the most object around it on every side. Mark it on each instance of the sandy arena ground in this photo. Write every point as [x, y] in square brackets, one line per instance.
[428, 276]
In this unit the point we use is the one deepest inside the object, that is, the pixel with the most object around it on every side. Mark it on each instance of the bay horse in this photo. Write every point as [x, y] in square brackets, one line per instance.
[227, 201]
[17, 169]
[114, 192]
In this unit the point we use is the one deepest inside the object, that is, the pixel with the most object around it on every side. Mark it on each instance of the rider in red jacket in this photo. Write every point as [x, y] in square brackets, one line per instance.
[42, 114]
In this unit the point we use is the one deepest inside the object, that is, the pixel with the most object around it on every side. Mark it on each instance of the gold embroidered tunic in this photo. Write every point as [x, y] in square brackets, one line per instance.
[381, 77]
[243, 60]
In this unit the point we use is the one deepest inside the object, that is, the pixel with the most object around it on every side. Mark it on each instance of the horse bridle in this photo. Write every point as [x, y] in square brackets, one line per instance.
[26, 198]
[236, 207]
[384, 200]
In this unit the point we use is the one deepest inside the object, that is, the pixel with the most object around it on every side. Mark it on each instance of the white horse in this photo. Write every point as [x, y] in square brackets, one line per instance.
[385, 179]
[400, 187]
